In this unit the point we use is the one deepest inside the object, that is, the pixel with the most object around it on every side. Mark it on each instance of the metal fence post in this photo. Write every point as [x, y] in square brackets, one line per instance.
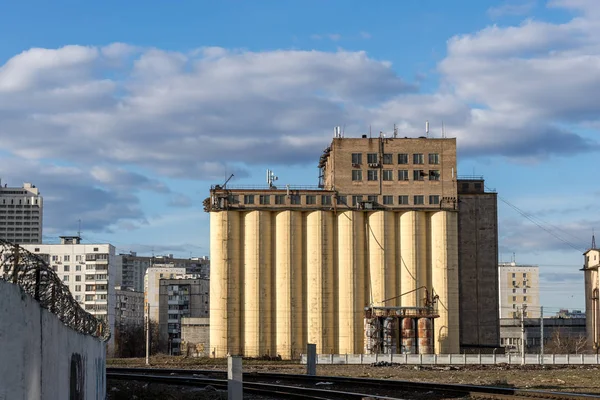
[311, 359]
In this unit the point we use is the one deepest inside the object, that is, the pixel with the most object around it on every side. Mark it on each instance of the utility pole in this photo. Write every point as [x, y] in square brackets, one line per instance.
[523, 336]
[542, 334]
[147, 333]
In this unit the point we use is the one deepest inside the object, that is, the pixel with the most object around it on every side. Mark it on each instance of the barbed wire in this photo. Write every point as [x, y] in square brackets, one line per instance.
[33, 274]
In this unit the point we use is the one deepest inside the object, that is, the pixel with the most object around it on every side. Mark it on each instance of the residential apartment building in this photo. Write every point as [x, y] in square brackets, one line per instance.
[519, 290]
[152, 286]
[88, 270]
[21, 214]
[129, 306]
[134, 267]
[180, 298]
[292, 265]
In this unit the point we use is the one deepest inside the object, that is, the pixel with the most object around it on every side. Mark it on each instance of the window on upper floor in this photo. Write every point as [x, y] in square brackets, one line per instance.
[388, 175]
[418, 158]
[388, 158]
[372, 175]
[264, 199]
[388, 200]
[356, 200]
[357, 175]
[372, 158]
[357, 158]
[295, 199]
[248, 199]
[418, 175]
[434, 175]
[372, 198]
[434, 158]
[342, 200]
[311, 199]
[402, 158]
[325, 200]
[402, 174]
[418, 199]
[403, 199]
[280, 199]
[434, 199]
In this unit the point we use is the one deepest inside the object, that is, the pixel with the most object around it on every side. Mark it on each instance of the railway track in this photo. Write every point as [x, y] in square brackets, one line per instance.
[332, 387]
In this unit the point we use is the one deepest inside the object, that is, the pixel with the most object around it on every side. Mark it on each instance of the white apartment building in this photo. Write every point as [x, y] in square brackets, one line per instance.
[21, 213]
[519, 290]
[89, 271]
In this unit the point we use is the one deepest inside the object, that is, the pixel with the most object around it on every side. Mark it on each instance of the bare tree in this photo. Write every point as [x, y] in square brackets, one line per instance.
[563, 343]
[130, 339]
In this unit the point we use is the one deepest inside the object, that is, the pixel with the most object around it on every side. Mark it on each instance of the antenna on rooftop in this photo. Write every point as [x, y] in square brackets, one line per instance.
[427, 129]
[370, 132]
[443, 132]
[593, 239]
[337, 132]
[79, 229]
[395, 131]
[271, 178]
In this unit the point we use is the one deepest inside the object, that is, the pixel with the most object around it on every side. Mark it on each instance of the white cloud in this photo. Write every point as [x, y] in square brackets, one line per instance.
[334, 37]
[511, 9]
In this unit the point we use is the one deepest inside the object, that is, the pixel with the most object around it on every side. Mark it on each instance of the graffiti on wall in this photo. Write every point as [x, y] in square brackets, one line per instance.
[77, 378]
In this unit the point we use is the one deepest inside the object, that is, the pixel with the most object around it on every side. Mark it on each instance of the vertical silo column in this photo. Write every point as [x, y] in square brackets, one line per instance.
[409, 259]
[320, 298]
[288, 284]
[257, 301]
[225, 283]
[351, 277]
[444, 258]
[382, 257]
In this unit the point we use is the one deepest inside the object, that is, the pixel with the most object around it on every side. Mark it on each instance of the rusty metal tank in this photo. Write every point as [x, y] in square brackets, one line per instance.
[408, 336]
[372, 334]
[425, 335]
[390, 327]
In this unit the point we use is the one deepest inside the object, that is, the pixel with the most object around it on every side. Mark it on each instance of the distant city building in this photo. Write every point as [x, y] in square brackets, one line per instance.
[179, 298]
[152, 285]
[519, 290]
[570, 314]
[592, 296]
[557, 332]
[134, 267]
[88, 270]
[129, 306]
[21, 214]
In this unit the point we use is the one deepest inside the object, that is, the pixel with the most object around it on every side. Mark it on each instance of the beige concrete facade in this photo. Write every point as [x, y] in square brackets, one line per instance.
[519, 290]
[592, 289]
[306, 261]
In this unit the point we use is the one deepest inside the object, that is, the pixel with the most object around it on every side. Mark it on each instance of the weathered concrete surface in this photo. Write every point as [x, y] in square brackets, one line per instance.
[478, 271]
[41, 358]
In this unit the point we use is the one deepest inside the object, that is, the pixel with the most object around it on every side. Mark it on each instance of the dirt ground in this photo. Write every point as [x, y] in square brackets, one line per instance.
[581, 379]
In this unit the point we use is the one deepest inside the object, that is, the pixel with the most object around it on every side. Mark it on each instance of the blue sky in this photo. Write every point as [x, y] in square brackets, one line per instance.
[124, 113]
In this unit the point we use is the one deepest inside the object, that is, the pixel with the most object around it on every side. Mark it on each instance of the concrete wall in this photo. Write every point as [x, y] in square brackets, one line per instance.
[478, 266]
[195, 337]
[43, 359]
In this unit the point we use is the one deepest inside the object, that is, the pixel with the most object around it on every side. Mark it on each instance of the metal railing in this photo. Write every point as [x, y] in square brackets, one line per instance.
[37, 279]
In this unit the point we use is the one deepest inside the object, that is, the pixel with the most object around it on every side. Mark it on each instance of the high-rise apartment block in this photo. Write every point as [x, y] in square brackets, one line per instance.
[519, 290]
[88, 270]
[171, 294]
[21, 214]
[134, 267]
[367, 261]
